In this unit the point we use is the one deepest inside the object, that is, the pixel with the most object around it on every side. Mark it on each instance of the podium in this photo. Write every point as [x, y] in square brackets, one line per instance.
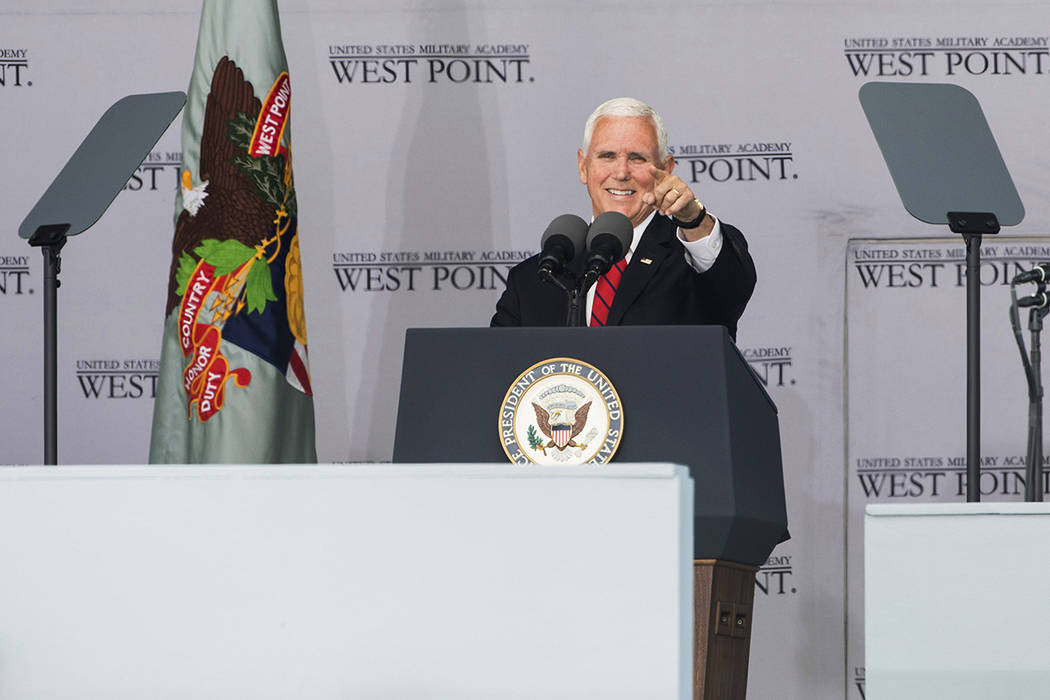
[688, 397]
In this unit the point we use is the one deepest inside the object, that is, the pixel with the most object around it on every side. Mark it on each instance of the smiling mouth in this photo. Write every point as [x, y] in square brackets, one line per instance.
[620, 193]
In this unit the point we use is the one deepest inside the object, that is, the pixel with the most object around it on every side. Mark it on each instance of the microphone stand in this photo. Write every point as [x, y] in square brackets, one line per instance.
[575, 290]
[589, 279]
[572, 291]
[1033, 490]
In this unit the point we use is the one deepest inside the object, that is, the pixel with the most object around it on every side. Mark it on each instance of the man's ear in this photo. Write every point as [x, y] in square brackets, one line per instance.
[669, 164]
[580, 160]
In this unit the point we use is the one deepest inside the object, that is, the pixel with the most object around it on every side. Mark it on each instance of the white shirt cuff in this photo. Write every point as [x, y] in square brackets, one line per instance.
[701, 254]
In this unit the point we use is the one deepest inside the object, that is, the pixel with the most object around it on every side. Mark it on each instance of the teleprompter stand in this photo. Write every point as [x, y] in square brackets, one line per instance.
[712, 416]
[948, 170]
[77, 198]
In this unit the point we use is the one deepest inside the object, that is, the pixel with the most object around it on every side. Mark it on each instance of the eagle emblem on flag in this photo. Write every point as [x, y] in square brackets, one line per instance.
[236, 274]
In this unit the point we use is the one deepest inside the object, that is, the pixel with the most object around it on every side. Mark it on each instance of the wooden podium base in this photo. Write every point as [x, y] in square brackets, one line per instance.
[723, 599]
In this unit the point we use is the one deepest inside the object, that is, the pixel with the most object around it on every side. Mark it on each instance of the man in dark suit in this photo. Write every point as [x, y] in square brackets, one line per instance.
[684, 266]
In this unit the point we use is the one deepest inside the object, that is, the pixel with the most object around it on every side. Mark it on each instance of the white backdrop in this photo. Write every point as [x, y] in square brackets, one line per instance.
[435, 140]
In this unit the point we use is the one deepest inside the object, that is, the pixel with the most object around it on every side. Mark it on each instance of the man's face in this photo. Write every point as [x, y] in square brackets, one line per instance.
[615, 167]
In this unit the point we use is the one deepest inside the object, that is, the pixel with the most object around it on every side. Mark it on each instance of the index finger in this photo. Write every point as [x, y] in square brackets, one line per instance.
[656, 173]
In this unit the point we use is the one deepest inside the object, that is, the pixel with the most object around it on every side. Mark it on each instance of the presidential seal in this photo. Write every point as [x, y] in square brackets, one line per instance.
[561, 411]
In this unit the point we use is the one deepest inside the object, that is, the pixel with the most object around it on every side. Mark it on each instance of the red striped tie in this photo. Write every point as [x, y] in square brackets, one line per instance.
[604, 292]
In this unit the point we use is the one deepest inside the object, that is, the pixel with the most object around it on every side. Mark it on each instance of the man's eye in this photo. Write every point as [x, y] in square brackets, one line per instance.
[637, 158]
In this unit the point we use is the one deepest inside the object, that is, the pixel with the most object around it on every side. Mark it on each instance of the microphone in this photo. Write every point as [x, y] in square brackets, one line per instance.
[608, 239]
[1037, 300]
[1039, 273]
[564, 237]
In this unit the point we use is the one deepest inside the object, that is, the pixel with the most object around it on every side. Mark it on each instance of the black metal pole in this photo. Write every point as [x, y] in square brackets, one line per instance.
[50, 240]
[973, 367]
[972, 225]
[574, 318]
[52, 264]
[573, 294]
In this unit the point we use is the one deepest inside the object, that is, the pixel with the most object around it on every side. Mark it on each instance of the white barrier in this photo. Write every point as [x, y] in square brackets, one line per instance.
[335, 582]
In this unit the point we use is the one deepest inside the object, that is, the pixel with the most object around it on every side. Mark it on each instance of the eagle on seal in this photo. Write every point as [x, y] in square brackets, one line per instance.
[579, 421]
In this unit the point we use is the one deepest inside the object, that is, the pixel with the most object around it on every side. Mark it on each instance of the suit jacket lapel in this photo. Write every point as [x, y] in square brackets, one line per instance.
[655, 245]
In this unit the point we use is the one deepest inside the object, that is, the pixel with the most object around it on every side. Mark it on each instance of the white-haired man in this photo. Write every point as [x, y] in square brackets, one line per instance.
[684, 266]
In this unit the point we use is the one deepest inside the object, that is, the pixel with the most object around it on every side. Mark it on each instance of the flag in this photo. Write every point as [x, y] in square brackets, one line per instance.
[234, 380]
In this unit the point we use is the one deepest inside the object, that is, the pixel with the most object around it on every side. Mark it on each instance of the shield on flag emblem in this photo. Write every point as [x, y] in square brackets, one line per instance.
[561, 434]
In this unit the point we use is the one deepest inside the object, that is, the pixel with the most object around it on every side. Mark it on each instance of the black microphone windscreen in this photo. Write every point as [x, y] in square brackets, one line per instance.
[615, 224]
[572, 227]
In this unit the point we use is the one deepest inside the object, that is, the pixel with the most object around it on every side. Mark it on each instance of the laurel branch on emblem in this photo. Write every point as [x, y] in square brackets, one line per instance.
[534, 439]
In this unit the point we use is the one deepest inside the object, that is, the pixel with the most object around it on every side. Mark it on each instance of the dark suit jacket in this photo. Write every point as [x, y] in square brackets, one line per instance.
[666, 291]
